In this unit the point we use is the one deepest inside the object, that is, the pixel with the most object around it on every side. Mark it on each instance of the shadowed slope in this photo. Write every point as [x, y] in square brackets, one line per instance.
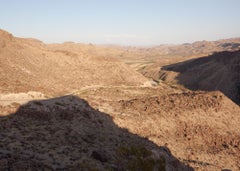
[201, 128]
[66, 133]
[220, 71]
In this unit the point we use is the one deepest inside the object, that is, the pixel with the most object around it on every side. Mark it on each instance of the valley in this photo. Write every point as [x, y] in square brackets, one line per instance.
[74, 106]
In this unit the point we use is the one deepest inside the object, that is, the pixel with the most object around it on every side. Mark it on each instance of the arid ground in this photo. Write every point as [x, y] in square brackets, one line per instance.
[75, 106]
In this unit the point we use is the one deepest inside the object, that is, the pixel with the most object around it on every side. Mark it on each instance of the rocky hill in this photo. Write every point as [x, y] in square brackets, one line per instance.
[28, 64]
[220, 71]
[66, 133]
[201, 128]
[178, 51]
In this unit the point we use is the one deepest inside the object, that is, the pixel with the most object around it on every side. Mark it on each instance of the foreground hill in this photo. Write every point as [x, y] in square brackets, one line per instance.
[66, 133]
[28, 64]
[200, 128]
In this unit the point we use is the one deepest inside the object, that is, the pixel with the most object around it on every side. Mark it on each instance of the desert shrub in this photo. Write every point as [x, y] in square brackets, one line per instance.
[141, 159]
[87, 165]
[37, 103]
[59, 104]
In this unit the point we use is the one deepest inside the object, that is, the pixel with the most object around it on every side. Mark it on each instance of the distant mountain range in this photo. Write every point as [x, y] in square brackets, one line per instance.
[196, 49]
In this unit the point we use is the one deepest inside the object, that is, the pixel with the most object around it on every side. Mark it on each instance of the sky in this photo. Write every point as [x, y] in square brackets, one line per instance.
[123, 22]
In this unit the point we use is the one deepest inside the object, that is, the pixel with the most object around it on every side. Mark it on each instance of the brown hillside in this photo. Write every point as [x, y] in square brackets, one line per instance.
[201, 128]
[220, 71]
[180, 51]
[65, 133]
[28, 64]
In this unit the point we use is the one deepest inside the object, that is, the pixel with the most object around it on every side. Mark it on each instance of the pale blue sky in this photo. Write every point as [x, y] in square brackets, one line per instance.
[125, 22]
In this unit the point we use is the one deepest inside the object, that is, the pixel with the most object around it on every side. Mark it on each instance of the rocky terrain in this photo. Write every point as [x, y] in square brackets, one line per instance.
[200, 128]
[141, 57]
[74, 106]
[65, 133]
[56, 71]
[219, 71]
[199, 48]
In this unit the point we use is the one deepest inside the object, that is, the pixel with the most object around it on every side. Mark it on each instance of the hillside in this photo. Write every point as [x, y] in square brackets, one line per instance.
[74, 106]
[159, 53]
[28, 64]
[66, 133]
[220, 71]
[141, 57]
[174, 51]
[200, 128]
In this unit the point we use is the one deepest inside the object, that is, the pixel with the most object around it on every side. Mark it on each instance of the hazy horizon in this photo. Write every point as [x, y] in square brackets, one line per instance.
[134, 23]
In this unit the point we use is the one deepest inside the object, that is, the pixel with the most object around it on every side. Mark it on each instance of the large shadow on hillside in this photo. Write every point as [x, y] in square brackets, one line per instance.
[66, 133]
[219, 71]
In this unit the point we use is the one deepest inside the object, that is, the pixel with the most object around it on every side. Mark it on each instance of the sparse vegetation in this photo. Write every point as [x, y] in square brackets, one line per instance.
[141, 159]
[60, 103]
[122, 124]
[38, 103]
